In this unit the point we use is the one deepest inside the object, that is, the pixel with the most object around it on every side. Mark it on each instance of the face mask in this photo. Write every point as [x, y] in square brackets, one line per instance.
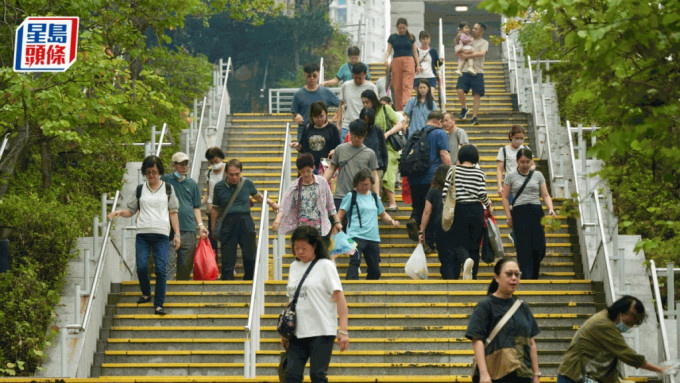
[218, 165]
[517, 143]
[622, 327]
[179, 176]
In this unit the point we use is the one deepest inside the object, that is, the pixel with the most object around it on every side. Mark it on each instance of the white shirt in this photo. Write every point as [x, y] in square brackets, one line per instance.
[425, 59]
[316, 311]
[154, 210]
[213, 179]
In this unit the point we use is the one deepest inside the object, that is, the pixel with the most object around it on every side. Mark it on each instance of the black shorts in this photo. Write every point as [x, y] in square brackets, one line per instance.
[468, 81]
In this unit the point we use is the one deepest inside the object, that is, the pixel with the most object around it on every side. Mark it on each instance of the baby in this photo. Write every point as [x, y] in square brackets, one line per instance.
[464, 43]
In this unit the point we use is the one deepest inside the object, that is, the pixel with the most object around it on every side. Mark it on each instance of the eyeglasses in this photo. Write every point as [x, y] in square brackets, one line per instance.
[183, 163]
[151, 173]
[510, 274]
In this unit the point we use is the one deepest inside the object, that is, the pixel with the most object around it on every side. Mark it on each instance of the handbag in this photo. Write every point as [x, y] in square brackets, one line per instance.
[492, 359]
[449, 200]
[218, 224]
[286, 324]
[492, 243]
[397, 141]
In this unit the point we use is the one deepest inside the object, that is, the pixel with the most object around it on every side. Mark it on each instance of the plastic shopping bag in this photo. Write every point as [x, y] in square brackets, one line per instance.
[342, 244]
[495, 239]
[416, 266]
[405, 191]
[205, 264]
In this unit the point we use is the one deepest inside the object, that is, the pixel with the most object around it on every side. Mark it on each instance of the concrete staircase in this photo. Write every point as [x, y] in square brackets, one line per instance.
[400, 329]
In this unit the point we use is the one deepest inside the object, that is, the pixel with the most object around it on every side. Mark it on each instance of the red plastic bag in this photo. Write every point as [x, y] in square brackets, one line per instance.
[405, 191]
[205, 264]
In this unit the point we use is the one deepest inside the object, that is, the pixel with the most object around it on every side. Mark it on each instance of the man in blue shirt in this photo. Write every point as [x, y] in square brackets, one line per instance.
[420, 184]
[345, 71]
[189, 196]
[309, 94]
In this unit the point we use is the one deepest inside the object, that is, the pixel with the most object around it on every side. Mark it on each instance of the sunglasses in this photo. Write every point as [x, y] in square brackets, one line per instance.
[510, 274]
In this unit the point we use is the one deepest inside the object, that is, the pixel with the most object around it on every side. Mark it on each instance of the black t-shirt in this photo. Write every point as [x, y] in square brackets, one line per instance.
[402, 44]
[514, 335]
[319, 142]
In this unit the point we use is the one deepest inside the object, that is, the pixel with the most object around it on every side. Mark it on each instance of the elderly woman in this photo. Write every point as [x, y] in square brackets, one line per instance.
[157, 206]
[362, 206]
[525, 212]
[598, 346]
[308, 201]
[319, 305]
[215, 157]
[511, 356]
[468, 220]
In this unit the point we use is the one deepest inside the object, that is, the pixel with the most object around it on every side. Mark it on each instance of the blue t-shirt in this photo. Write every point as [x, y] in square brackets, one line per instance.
[439, 140]
[345, 72]
[368, 229]
[303, 99]
[402, 44]
[223, 193]
[189, 197]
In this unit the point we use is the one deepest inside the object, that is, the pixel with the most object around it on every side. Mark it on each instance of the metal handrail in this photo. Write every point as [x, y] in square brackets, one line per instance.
[280, 239]
[4, 143]
[281, 96]
[659, 312]
[220, 114]
[573, 167]
[100, 267]
[533, 93]
[321, 71]
[194, 166]
[442, 85]
[252, 328]
[160, 140]
[553, 176]
[603, 240]
[517, 88]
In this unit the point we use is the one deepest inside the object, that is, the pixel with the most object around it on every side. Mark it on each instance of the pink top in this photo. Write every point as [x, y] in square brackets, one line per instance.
[290, 206]
[465, 38]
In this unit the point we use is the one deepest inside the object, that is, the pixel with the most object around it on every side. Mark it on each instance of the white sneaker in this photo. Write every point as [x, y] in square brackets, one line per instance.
[467, 268]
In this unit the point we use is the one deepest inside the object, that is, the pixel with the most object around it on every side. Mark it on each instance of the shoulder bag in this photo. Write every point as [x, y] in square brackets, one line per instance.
[397, 140]
[521, 188]
[496, 358]
[287, 320]
[218, 224]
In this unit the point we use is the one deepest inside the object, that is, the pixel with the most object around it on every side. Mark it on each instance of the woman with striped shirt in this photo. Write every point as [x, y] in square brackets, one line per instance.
[465, 233]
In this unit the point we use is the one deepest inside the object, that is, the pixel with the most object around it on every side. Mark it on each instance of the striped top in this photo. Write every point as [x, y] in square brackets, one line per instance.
[470, 185]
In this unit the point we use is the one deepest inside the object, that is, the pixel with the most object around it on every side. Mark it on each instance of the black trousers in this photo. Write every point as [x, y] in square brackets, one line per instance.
[318, 350]
[418, 194]
[529, 239]
[238, 229]
[371, 253]
[462, 240]
[509, 378]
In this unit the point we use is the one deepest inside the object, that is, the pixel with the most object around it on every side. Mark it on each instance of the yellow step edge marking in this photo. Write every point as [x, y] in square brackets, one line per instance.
[183, 316]
[177, 328]
[173, 352]
[176, 340]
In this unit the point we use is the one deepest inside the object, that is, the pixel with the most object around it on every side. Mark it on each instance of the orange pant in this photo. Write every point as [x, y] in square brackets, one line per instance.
[403, 72]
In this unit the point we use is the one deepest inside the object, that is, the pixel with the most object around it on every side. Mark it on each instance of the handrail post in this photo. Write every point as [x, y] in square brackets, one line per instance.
[442, 68]
[321, 71]
[671, 291]
[95, 234]
[62, 340]
[86, 269]
[76, 310]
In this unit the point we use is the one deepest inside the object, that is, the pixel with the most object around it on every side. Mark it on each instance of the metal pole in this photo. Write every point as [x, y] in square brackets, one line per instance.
[62, 340]
[104, 202]
[86, 269]
[670, 275]
[153, 139]
[95, 234]
[76, 310]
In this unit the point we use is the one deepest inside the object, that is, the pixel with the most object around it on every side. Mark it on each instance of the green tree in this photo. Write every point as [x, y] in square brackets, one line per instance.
[621, 71]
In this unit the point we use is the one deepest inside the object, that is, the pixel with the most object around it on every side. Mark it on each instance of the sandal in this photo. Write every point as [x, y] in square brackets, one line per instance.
[143, 300]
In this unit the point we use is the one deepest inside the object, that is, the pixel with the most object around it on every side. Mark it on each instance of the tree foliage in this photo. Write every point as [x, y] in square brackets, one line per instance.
[620, 70]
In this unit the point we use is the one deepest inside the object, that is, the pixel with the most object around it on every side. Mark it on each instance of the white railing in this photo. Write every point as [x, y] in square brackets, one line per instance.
[160, 139]
[669, 273]
[4, 144]
[80, 325]
[279, 247]
[321, 71]
[221, 78]
[442, 67]
[281, 99]
[260, 274]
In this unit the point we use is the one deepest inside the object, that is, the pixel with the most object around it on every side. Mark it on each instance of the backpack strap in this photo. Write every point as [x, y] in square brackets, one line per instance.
[521, 189]
[353, 202]
[505, 160]
[168, 191]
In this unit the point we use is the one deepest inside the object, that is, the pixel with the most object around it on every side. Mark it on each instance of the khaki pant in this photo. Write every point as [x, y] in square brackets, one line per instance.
[403, 71]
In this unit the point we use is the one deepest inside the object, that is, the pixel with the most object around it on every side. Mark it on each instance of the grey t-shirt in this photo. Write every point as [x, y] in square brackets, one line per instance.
[350, 94]
[350, 159]
[532, 192]
[456, 139]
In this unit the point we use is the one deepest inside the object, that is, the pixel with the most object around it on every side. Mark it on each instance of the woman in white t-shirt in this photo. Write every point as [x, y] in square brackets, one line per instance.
[525, 212]
[215, 157]
[158, 206]
[320, 303]
[506, 158]
[429, 60]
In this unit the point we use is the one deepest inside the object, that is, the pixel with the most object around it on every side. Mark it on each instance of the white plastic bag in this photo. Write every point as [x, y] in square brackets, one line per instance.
[495, 237]
[416, 266]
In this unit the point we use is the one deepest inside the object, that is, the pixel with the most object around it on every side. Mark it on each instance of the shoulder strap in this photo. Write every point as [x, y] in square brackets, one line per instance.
[387, 120]
[168, 190]
[503, 321]
[521, 189]
[505, 160]
[293, 303]
[299, 200]
[232, 199]
[353, 202]
[139, 193]
[375, 198]
[343, 163]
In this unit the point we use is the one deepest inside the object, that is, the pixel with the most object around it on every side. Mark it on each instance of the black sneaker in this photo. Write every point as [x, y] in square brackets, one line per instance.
[412, 229]
[463, 113]
[474, 121]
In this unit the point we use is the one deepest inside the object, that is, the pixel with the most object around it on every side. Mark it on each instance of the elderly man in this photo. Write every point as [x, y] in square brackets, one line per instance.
[350, 98]
[237, 228]
[189, 196]
[457, 136]
[473, 81]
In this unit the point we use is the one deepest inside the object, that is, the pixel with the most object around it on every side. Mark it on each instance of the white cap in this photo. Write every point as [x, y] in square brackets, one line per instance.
[180, 157]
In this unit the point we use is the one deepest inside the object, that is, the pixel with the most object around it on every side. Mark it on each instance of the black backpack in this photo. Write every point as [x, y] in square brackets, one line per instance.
[415, 157]
[354, 202]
